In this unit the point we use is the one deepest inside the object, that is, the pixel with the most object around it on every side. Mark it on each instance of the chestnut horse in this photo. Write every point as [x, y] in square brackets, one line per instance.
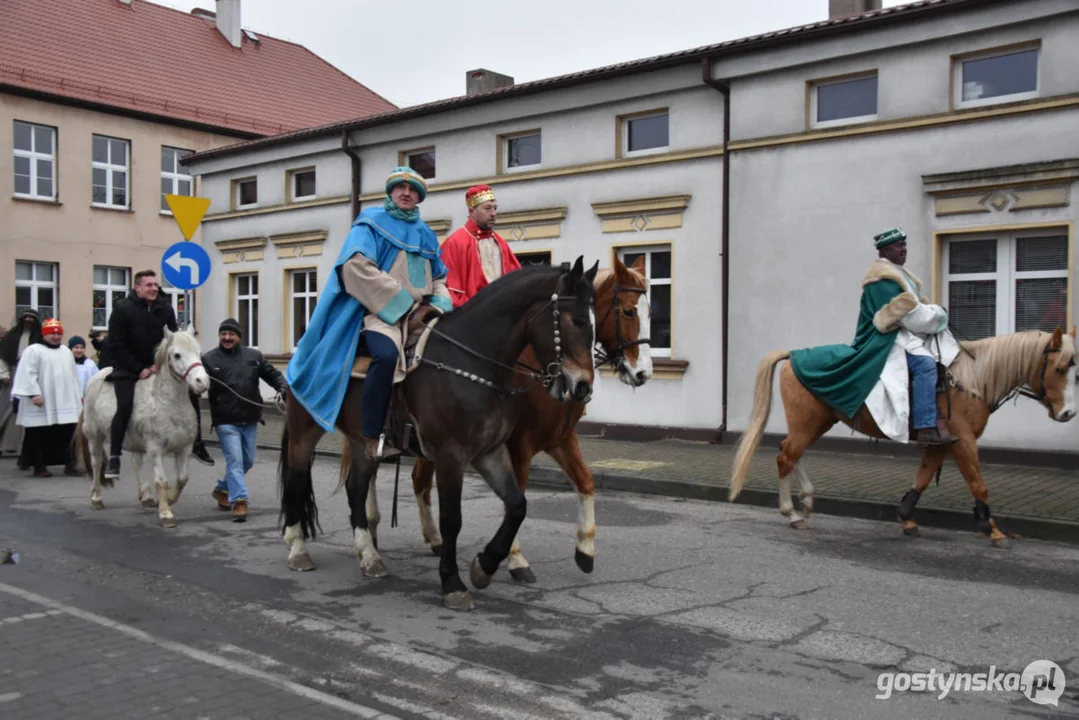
[458, 397]
[549, 426]
[983, 375]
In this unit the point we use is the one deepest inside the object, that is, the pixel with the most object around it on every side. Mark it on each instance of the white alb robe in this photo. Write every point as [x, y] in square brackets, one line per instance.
[50, 373]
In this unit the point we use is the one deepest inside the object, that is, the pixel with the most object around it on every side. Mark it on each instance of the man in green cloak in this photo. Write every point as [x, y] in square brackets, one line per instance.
[897, 326]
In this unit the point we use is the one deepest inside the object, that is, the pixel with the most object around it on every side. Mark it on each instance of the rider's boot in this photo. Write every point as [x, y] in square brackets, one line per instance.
[200, 453]
[371, 450]
[112, 468]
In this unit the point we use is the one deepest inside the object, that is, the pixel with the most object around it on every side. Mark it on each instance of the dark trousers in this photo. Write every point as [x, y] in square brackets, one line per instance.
[379, 382]
[49, 445]
[125, 404]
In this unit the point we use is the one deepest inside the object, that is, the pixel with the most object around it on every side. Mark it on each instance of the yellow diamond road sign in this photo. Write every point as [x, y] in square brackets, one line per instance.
[188, 212]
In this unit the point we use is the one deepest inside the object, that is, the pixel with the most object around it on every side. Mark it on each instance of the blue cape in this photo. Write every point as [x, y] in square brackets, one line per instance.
[318, 373]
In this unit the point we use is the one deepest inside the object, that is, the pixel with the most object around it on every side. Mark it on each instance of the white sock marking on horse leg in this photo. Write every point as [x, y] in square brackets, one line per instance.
[786, 504]
[806, 493]
[294, 540]
[365, 549]
[428, 526]
[516, 559]
[586, 524]
[164, 512]
[373, 515]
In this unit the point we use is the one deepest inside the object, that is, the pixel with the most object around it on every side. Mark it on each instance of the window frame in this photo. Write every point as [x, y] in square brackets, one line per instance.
[175, 176]
[33, 155]
[957, 76]
[34, 284]
[404, 159]
[504, 142]
[250, 335]
[525, 254]
[290, 184]
[175, 296]
[311, 297]
[647, 249]
[108, 288]
[812, 100]
[110, 168]
[624, 122]
[1006, 275]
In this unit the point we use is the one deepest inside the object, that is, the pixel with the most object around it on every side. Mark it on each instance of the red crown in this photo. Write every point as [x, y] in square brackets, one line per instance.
[478, 195]
[52, 325]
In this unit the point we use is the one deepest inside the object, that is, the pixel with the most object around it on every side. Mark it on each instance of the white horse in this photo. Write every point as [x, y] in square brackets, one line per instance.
[162, 422]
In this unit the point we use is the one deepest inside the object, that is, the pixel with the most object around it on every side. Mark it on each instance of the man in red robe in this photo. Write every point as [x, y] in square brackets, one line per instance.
[475, 254]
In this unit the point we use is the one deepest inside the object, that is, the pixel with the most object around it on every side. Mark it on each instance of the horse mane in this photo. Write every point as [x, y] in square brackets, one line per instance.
[991, 368]
[503, 286]
[161, 352]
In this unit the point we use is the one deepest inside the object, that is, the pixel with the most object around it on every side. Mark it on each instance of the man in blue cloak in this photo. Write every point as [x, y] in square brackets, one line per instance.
[389, 261]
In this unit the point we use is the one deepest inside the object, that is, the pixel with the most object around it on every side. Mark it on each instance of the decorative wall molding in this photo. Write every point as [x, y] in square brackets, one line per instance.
[276, 208]
[241, 250]
[1011, 188]
[539, 224]
[301, 244]
[441, 227]
[655, 213]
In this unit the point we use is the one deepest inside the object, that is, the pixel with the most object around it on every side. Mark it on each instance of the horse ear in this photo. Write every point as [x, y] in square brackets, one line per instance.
[578, 267]
[168, 333]
[638, 264]
[1058, 338]
[591, 274]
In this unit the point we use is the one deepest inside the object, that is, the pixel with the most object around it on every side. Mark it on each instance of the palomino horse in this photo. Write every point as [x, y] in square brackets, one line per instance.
[549, 426]
[459, 398]
[984, 374]
[163, 423]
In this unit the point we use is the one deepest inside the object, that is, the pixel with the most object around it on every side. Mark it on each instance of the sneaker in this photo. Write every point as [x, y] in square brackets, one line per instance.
[200, 453]
[239, 511]
[112, 467]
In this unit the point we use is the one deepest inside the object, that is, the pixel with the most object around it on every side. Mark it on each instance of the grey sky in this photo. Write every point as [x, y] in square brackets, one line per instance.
[418, 51]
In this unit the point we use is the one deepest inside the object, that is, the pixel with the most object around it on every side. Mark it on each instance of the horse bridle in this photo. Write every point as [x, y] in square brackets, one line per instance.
[618, 354]
[183, 378]
[553, 370]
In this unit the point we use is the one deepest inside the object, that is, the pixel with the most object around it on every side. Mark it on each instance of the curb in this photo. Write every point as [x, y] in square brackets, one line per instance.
[865, 509]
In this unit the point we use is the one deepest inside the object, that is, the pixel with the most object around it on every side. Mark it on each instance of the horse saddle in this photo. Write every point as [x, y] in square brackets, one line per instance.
[414, 345]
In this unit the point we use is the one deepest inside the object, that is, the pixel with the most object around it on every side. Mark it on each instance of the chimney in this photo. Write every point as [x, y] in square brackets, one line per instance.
[228, 21]
[480, 80]
[839, 9]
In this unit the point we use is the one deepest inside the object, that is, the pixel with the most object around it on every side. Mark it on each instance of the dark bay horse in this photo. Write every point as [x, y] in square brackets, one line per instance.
[985, 374]
[461, 401]
[546, 425]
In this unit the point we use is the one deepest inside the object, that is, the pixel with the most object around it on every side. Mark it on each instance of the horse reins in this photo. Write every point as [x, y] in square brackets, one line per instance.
[615, 357]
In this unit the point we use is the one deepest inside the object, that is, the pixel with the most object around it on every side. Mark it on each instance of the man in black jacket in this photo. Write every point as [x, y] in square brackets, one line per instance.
[136, 326]
[236, 410]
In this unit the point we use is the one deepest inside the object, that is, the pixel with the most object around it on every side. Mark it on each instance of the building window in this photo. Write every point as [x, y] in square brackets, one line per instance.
[245, 193]
[303, 289]
[110, 172]
[178, 300]
[843, 101]
[522, 151]
[36, 287]
[657, 265]
[35, 161]
[996, 77]
[534, 258]
[422, 161]
[643, 134]
[302, 184]
[110, 285]
[247, 306]
[175, 178]
[1004, 283]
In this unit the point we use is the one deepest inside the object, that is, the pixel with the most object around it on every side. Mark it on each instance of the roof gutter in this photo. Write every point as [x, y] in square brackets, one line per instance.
[724, 233]
[356, 166]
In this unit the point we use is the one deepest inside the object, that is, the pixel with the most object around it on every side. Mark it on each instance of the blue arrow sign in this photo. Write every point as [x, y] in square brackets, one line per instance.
[186, 265]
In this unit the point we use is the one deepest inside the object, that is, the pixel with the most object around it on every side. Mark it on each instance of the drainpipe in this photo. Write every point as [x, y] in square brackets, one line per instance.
[725, 89]
[355, 198]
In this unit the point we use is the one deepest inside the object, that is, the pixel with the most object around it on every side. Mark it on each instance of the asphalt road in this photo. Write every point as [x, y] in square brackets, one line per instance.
[695, 609]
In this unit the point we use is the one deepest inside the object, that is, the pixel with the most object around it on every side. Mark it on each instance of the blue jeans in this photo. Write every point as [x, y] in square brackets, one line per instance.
[238, 446]
[924, 390]
[378, 383]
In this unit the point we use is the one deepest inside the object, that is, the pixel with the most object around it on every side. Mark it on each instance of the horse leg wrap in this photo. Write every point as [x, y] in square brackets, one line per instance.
[981, 516]
[906, 505]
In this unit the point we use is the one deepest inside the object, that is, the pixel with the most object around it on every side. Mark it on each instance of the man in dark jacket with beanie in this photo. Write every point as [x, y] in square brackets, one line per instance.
[236, 409]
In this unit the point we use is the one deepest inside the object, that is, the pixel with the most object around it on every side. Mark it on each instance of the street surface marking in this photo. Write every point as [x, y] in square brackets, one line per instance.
[203, 656]
[627, 464]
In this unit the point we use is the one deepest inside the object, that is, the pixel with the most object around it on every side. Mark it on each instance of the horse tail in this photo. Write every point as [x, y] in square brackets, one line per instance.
[80, 450]
[346, 465]
[762, 406]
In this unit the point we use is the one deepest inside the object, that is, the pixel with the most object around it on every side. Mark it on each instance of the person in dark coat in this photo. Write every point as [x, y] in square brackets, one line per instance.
[25, 331]
[236, 409]
[136, 326]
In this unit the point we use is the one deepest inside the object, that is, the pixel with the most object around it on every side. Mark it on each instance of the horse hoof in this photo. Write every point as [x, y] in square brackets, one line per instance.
[97, 505]
[377, 569]
[460, 600]
[912, 531]
[301, 562]
[436, 550]
[1003, 543]
[149, 503]
[168, 522]
[584, 562]
[480, 579]
[799, 525]
[524, 575]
